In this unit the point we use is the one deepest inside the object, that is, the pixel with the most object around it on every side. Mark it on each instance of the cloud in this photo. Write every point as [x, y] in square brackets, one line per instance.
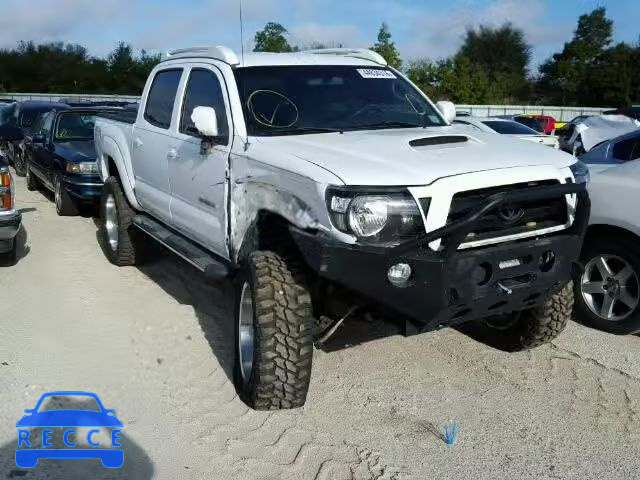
[330, 35]
[52, 20]
[437, 35]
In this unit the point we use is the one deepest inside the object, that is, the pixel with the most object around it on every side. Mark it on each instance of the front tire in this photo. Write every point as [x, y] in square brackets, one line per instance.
[65, 204]
[10, 258]
[273, 331]
[536, 326]
[120, 239]
[608, 294]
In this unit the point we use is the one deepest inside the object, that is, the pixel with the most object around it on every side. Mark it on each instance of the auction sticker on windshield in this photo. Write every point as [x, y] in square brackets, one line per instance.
[375, 73]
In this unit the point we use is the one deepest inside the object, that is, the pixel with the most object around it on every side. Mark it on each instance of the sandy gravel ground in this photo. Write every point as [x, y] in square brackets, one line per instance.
[154, 343]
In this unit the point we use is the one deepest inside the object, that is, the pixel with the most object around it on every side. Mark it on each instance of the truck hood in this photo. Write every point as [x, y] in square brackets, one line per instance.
[77, 150]
[413, 156]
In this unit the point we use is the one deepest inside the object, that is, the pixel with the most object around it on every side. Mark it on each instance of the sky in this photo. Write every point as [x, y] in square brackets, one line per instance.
[420, 28]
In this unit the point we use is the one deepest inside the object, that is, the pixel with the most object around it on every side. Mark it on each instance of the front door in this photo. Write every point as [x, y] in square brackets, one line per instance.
[152, 143]
[198, 179]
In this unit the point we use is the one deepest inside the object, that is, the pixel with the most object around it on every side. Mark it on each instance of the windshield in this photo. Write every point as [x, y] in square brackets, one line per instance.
[28, 117]
[6, 112]
[312, 99]
[509, 128]
[75, 126]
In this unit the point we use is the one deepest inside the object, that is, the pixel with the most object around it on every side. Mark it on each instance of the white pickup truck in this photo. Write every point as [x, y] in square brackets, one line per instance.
[324, 182]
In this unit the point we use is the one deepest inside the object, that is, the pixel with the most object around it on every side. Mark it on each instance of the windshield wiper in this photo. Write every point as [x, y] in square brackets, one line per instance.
[377, 125]
[302, 130]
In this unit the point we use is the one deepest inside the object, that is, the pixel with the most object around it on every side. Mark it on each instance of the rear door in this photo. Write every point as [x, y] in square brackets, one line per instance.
[152, 142]
[41, 152]
[198, 178]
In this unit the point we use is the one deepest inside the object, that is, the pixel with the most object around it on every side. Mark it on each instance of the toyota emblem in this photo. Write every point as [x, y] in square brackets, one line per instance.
[511, 214]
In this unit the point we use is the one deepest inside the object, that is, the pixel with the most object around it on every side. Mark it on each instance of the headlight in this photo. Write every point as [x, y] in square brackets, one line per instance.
[580, 172]
[82, 167]
[375, 217]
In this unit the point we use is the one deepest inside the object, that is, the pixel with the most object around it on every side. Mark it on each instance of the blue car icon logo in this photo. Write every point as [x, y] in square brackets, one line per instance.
[28, 453]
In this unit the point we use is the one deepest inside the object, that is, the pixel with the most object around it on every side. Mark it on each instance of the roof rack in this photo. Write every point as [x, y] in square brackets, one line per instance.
[223, 54]
[361, 53]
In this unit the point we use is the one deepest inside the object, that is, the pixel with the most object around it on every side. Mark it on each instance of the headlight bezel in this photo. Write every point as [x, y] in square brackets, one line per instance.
[580, 172]
[82, 168]
[403, 216]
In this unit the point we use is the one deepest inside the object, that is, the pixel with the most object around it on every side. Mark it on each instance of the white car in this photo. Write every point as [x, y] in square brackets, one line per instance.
[608, 295]
[510, 128]
[299, 174]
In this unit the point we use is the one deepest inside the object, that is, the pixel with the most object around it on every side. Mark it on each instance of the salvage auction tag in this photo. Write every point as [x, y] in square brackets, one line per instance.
[375, 73]
[509, 263]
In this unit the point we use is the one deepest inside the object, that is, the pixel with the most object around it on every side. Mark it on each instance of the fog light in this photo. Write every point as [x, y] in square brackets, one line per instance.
[399, 274]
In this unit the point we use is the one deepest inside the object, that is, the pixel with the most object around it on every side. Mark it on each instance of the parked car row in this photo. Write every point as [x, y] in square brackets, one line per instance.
[324, 185]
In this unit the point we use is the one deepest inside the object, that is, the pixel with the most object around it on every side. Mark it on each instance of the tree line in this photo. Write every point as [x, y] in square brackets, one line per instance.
[492, 66]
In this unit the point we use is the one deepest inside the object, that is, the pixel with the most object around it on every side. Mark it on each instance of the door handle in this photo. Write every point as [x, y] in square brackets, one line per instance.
[137, 142]
[172, 154]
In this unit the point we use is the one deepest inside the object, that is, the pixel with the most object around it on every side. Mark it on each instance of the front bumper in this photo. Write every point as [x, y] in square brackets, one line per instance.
[87, 188]
[453, 286]
[9, 227]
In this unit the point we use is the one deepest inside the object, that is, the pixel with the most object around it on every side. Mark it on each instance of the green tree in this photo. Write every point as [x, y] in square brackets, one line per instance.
[503, 54]
[272, 38]
[564, 78]
[387, 48]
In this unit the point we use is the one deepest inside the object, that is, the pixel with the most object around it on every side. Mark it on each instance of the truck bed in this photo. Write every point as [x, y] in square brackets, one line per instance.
[125, 116]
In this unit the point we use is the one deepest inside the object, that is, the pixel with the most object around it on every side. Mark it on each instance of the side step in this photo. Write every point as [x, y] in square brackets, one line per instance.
[211, 265]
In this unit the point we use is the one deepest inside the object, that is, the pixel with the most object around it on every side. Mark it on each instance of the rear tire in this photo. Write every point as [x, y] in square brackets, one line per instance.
[121, 240]
[65, 204]
[273, 309]
[539, 325]
[19, 164]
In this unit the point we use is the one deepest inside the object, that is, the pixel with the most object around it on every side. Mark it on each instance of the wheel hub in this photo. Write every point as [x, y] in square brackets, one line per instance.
[610, 287]
[111, 222]
[246, 332]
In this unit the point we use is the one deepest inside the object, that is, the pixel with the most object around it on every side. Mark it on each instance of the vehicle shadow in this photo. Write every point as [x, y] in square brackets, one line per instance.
[212, 302]
[22, 249]
[137, 463]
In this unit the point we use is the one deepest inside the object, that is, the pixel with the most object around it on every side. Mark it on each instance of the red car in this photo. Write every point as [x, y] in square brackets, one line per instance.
[548, 123]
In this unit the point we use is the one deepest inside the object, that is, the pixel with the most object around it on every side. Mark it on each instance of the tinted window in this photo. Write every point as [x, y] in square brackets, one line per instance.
[530, 122]
[623, 149]
[75, 126]
[204, 90]
[29, 116]
[161, 97]
[312, 99]
[509, 128]
[45, 124]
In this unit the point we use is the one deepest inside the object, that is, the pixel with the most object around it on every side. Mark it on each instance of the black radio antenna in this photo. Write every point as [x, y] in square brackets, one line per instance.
[241, 33]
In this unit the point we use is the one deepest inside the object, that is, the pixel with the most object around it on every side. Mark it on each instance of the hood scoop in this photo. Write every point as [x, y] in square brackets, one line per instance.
[438, 140]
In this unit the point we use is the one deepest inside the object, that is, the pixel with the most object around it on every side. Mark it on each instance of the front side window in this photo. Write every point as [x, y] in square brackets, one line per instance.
[204, 90]
[313, 99]
[29, 116]
[46, 124]
[162, 95]
[75, 126]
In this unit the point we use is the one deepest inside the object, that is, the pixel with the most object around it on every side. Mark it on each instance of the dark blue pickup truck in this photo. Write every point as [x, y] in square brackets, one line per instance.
[61, 157]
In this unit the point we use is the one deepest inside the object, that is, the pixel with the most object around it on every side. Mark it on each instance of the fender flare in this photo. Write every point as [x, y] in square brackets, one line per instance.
[109, 149]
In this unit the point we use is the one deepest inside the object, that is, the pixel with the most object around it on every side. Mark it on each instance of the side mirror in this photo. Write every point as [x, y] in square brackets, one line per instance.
[204, 118]
[38, 138]
[448, 110]
[28, 410]
[10, 133]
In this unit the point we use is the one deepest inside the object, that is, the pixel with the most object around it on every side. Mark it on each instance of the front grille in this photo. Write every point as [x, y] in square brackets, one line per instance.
[509, 219]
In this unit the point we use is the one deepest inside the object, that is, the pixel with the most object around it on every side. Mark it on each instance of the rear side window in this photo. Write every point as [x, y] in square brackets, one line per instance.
[204, 90]
[623, 149]
[161, 97]
[509, 128]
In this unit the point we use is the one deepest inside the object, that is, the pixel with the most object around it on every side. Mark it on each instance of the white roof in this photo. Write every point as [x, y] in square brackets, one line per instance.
[329, 56]
[287, 59]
